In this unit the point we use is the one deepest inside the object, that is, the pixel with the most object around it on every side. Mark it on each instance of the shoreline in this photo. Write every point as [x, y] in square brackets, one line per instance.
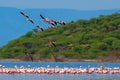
[68, 60]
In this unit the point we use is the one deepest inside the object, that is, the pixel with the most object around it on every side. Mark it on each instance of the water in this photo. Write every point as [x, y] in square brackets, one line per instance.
[93, 76]
[60, 64]
[59, 77]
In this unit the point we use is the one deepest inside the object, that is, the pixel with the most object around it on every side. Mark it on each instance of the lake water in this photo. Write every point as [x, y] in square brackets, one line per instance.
[93, 76]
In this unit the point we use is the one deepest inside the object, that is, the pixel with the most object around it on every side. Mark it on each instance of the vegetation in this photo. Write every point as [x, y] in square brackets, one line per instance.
[83, 39]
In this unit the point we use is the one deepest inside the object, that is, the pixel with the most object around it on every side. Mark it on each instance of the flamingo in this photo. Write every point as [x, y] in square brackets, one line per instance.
[30, 20]
[40, 28]
[23, 14]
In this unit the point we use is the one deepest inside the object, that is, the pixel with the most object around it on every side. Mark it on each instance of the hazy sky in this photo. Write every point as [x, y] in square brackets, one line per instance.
[67, 4]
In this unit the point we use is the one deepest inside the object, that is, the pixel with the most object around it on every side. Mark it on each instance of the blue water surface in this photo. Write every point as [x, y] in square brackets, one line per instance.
[60, 64]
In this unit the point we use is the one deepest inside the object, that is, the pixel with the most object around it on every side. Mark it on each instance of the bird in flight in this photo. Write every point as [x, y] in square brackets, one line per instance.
[40, 28]
[23, 14]
[30, 20]
[51, 21]
[52, 43]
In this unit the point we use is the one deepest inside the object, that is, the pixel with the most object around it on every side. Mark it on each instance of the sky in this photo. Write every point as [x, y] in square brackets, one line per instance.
[66, 4]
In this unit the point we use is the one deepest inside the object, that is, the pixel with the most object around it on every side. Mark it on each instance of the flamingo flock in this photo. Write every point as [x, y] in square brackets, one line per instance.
[47, 20]
[58, 70]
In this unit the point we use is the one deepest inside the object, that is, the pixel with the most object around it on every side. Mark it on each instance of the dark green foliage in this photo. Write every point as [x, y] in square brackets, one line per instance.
[80, 39]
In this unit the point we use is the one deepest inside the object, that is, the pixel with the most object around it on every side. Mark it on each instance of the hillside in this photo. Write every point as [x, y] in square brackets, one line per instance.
[13, 25]
[97, 38]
